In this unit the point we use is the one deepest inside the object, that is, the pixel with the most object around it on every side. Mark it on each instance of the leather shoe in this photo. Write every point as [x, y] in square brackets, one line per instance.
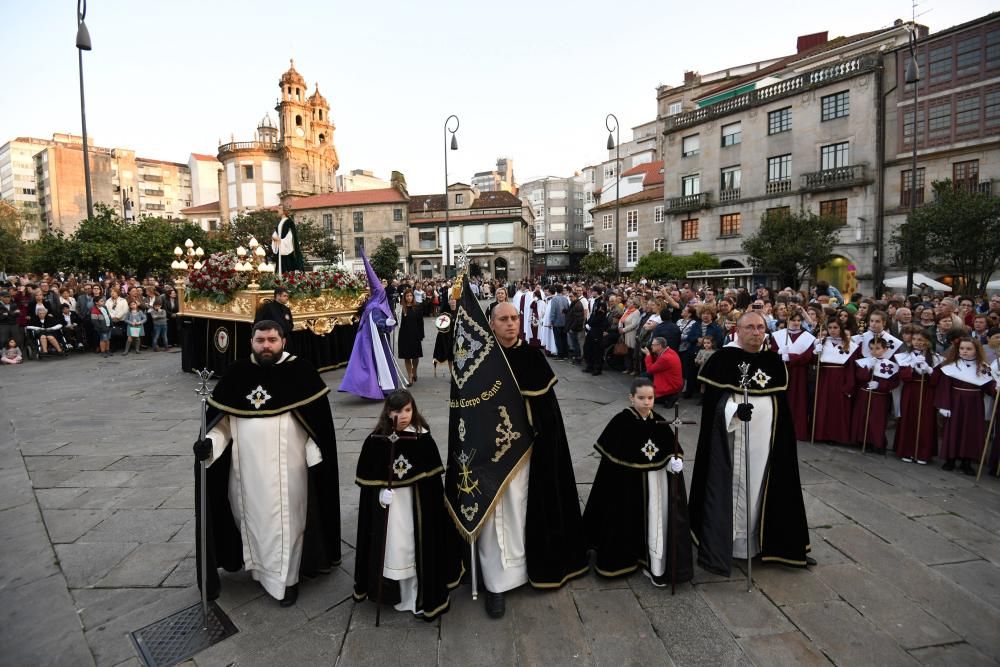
[495, 605]
[810, 561]
[291, 595]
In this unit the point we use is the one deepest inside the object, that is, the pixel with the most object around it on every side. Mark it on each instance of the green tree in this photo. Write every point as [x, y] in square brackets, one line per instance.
[98, 242]
[664, 266]
[793, 245]
[252, 224]
[385, 259]
[597, 264]
[12, 251]
[149, 243]
[329, 250]
[959, 232]
[52, 252]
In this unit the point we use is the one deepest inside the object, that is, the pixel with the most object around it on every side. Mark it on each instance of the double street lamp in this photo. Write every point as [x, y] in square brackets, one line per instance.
[453, 145]
[614, 141]
[83, 44]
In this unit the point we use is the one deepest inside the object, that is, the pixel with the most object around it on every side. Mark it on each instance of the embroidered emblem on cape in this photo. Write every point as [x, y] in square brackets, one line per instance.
[258, 397]
[887, 367]
[465, 482]
[650, 449]
[469, 512]
[507, 434]
[401, 466]
[221, 339]
[761, 378]
[472, 345]
[461, 429]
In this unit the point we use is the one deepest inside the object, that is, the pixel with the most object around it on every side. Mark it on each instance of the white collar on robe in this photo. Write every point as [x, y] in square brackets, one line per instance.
[884, 368]
[413, 429]
[911, 358]
[866, 338]
[964, 371]
[831, 354]
[783, 337]
[284, 357]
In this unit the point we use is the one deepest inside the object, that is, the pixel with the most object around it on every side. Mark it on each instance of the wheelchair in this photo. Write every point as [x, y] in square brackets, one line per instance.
[33, 343]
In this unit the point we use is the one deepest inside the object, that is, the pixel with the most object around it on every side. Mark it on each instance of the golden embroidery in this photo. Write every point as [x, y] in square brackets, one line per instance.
[507, 434]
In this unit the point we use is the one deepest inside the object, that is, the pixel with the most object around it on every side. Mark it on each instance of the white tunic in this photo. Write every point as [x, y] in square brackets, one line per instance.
[760, 447]
[401, 546]
[657, 520]
[502, 556]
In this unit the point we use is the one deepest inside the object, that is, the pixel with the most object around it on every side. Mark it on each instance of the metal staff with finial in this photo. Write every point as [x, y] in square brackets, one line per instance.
[989, 430]
[745, 384]
[868, 410]
[675, 425]
[203, 391]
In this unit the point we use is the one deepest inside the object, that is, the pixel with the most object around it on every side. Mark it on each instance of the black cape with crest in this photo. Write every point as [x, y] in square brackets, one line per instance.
[616, 513]
[554, 541]
[417, 464]
[783, 534]
[292, 385]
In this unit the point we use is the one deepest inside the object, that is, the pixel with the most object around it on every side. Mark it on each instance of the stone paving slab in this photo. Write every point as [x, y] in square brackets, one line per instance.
[845, 636]
[790, 648]
[745, 614]
[618, 630]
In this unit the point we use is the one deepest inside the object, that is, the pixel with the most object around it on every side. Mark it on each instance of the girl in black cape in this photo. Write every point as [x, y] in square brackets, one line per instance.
[636, 514]
[444, 346]
[411, 334]
[422, 548]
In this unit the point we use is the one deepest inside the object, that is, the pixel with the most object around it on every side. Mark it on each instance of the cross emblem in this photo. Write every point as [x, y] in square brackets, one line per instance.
[401, 466]
[886, 367]
[650, 449]
[258, 397]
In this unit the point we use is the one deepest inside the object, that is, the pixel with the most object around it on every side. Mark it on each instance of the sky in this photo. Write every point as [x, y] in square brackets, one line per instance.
[529, 80]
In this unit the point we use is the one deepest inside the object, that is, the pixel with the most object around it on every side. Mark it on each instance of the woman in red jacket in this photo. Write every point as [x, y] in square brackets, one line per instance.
[664, 366]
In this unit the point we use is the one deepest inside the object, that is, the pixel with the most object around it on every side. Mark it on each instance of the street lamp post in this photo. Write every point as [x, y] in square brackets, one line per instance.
[615, 142]
[447, 221]
[912, 76]
[83, 44]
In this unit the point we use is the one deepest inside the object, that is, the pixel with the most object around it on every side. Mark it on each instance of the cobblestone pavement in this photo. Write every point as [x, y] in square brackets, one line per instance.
[96, 517]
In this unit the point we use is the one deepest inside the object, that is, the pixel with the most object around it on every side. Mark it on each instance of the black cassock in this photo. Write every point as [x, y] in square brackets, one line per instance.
[616, 514]
[438, 546]
[294, 386]
[554, 537]
[782, 534]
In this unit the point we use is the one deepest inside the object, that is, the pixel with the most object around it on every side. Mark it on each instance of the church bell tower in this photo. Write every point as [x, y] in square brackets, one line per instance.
[309, 159]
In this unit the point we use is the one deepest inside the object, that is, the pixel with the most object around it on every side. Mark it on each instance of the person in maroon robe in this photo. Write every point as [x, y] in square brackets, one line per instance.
[964, 379]
[876, 329]
[916, 430]
[875, 377]
[834, 351]
[796, 349]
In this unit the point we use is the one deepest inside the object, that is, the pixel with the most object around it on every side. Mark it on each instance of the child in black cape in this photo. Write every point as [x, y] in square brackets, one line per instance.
[637, 512]
[422, 548]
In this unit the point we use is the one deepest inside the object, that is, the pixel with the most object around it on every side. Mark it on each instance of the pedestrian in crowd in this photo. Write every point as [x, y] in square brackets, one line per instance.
[964, 382]
[135, 321]
[576, 326]
[101, 321]
[875, 377]
[916, 429]
[501, 297]
[444, 344]
[158, 315]
[70, 328]
[663, 366]
[593, 344]
[835, 352]
[10, 329]
[11, 353]
[628, 323]
[557, 314]
[45, 329]
[795, 346]
[411, 335]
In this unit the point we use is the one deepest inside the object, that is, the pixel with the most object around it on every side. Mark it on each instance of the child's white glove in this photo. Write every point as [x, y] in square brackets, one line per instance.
[785, 357]
[944, 413]
[385, 497]
[873, 385]
[675, 465]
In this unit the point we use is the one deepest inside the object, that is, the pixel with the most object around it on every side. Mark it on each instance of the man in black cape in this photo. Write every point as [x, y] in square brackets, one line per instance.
[272, 490]
[285, 244]
[632, 477]
[277, 309]
[554, 541]
[718, 507]
[416, 471]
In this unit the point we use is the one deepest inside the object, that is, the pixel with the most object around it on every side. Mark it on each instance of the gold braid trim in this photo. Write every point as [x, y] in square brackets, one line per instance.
[635, 466]
[267, 413]
[557, 584]
[402, 483]
[739, 390]
[542, 391]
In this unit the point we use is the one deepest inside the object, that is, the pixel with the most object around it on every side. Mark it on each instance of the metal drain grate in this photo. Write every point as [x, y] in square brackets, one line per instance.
[179, 636]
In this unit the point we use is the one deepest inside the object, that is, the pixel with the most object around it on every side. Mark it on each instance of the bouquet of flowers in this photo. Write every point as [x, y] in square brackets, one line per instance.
[217, 279]
[311, 283]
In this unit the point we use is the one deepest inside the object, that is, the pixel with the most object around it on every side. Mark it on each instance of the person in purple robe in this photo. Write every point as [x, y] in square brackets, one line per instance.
[371, 372]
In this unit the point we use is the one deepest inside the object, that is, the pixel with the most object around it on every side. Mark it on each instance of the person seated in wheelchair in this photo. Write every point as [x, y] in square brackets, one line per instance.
[71, 329]
[46, 331]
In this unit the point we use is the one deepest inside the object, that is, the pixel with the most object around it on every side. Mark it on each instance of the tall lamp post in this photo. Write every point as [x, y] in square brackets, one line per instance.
[912, 76]
[83, 44]
[447, 221]
[614, 141]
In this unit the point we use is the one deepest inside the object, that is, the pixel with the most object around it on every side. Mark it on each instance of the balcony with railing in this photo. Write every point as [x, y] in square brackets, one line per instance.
[249, 145]
[154, 207]
[834, 179]
[153, 193]
[687, 203]
[778, 186]
[729, 195]
[973, 186]
[152, 178]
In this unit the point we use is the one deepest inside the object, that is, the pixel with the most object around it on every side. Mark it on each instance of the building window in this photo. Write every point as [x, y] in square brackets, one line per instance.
[904, 187]
[730, 179]
[992, 49]
[837, 105]
[965, 175]
[658, 214]
[834, 155]
[939, 121]
[539, 244]
[359, 245]
[590, 197]
[779, 170]
[732, 134]
[729, 225]
[427, 240]
[632, 222]
[557, 243]
[397, 215]
[659, 245]
[609, 171]
[908, 124]
[608, 249]
[577, 226]
[674, 108]
[779, 120]
[606, 222]
[631, 252]
[689, 230]
[248, 172]
[398, 238]
[298, 121]
[691, 185]
[359, 221]
[967, 115]
[459, 198]
[940, 64]
[328, 223]
[690, 145]
[777, 212]
[967, 56]
[834, 208]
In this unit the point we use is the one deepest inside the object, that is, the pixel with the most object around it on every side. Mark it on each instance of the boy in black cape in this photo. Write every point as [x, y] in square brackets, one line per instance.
[422, 550]
[636, 514]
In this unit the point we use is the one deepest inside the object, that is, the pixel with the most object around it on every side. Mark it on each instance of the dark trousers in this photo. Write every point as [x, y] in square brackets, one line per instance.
[561, 342]
[593, 352]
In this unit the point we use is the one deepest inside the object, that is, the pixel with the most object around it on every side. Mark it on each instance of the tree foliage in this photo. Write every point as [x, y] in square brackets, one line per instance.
[664, 266]
[597, 264]
[959, 232]
[12, 252]
[793, 245]
[385, 259]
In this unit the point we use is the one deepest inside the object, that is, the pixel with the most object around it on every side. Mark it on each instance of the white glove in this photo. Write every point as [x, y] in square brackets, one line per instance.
[873, 385]
[385, 497]
[390, 322]
[784, 356]
[587, 327]
[944, 413]
[674, 465]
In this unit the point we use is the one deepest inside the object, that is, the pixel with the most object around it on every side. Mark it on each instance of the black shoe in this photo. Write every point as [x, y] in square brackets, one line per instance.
[948, 465]
[291, 595]
[810, 561]
[495, 605]
[596, 372]
[966, 468]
